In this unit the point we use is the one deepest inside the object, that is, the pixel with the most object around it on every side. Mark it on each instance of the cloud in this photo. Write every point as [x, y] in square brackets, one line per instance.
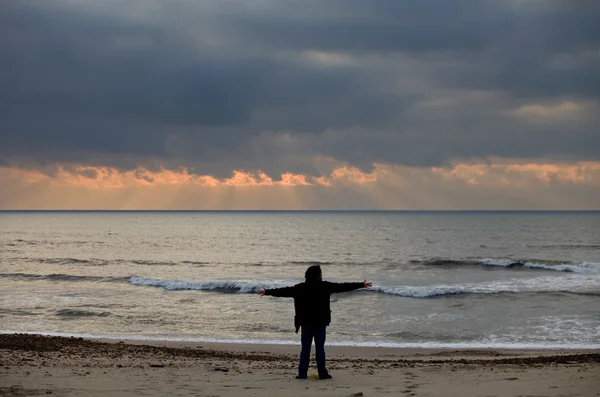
[554, 112]
[499, 185]
[296, 88]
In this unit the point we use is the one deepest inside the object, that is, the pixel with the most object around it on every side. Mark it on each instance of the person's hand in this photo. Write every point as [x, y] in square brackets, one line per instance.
[261, 292]
[368, 284]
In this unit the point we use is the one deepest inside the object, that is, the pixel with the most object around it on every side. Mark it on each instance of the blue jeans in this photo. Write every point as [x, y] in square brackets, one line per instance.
[308, 333]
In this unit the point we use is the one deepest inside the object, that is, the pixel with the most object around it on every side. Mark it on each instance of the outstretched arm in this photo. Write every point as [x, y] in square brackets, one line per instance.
[346, 287]
[285, 292]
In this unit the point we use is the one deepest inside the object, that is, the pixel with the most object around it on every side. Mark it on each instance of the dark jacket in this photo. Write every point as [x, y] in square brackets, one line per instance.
[311, 300]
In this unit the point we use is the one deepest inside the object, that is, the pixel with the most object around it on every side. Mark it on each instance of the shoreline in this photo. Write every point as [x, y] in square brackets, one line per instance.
[284, 345]
[359, 352]
[36, 365]
[33, 365]
[14, 344]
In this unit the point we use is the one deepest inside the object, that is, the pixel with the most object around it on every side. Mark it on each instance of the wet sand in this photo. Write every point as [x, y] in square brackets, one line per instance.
[32, 365]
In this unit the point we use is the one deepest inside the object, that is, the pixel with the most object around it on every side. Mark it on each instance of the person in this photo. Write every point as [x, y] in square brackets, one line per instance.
[313, 314]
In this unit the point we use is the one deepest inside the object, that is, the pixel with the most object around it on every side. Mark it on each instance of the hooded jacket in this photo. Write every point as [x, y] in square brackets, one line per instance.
[311, 300]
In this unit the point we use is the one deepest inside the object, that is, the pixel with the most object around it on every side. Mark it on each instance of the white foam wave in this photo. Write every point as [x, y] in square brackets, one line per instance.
[247, 287]
[289, 342]
[581, 267]
[573, 284]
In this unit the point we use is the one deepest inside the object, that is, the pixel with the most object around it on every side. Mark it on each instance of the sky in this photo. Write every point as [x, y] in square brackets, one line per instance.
[300, 104]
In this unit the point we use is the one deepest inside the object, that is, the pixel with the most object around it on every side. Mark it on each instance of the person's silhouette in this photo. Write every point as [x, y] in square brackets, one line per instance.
[313, 314]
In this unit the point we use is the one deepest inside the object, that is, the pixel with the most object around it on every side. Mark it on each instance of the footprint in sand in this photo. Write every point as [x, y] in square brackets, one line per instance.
[410, 384]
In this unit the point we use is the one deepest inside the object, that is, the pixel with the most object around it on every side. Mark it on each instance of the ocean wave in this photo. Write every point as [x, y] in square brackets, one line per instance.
[580, 267]
[147, 262]
[18, 312]
[565, 246]
[535, 285]
[483, 344]
[220, 286]
[304, 263]
[195, 263]
[62, 277]
[22, 242]
[105, 262]
[66, 261]
[443, 262]
[73, 261]
[72, 313]
[414, 336]
[559, 266]
[578, 286]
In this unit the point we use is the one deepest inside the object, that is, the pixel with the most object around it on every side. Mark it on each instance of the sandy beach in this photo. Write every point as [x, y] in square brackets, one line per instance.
[32, 365]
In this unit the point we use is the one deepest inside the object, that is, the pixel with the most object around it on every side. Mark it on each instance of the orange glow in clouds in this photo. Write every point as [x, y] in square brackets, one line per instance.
[500, 184]
[113, 178]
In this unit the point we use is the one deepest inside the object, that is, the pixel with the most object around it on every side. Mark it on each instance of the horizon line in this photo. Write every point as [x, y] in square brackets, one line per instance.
[302, 210]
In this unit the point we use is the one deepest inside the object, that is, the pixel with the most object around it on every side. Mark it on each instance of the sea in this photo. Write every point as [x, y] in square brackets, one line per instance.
[440, 279]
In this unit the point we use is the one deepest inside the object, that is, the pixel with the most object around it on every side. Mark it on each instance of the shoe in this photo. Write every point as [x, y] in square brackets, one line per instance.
[301, 377]
[325, 377]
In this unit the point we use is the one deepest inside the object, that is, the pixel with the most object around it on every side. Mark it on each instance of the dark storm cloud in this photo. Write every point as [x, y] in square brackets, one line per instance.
[217, 85]
[410, 25]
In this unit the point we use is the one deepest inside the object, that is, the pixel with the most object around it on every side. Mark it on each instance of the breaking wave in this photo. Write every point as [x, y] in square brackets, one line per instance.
[575, 284]
[536, 285]
[581, 267]
[571, 267]
[483, 344]
[578, 285]
[218, 286]
[514, 264]
[63, 277]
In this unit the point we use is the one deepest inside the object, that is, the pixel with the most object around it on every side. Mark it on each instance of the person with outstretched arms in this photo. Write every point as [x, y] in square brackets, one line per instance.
[313, 314]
